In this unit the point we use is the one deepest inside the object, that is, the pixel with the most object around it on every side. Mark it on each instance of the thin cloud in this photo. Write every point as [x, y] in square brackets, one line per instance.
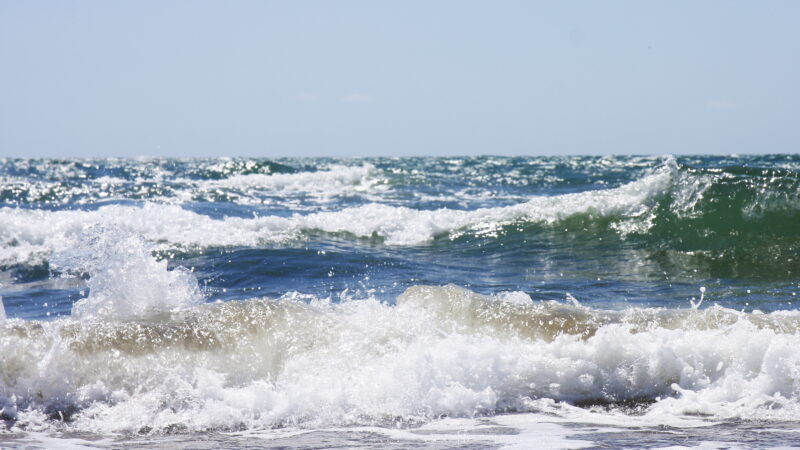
[356, 98]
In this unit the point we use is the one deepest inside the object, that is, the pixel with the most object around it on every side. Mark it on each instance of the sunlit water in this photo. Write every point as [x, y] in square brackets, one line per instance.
[437, 303]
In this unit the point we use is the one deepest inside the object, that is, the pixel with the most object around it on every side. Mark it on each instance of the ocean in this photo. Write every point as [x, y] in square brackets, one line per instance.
[462, 302]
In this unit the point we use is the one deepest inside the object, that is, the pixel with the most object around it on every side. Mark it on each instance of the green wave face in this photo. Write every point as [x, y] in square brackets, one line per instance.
[736, 222]
[732, 222]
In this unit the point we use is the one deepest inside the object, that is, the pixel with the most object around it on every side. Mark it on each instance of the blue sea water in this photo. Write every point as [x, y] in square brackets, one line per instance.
[446, 302]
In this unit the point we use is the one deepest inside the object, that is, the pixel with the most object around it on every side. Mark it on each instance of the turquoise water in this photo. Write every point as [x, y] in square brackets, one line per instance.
[151, 297]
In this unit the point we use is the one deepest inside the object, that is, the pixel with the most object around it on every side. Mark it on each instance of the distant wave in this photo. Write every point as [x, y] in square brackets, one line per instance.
[243, 182]
[35, 230]
[735, 220]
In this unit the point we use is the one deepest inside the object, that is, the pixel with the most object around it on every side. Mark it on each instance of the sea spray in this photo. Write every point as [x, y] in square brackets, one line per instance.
[485, 290]
[439, 351]
[124, 280]
[699, 302]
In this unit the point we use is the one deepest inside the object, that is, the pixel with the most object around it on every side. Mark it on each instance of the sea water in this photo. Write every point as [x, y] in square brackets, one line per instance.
[485, 302]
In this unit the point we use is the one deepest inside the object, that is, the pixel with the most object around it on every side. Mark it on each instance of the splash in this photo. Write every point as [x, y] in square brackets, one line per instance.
[125, 281]
[702, 297]
[442, 350]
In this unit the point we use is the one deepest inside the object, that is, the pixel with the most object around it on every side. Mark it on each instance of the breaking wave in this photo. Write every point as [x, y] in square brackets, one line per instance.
[441, 351]
[730, 222]
[142, 353]
[56, 183]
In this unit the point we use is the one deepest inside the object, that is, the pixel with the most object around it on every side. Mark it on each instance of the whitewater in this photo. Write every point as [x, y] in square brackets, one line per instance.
[486, 302]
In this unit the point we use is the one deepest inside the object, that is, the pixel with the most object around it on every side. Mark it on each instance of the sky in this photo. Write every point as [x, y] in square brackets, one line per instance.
[264, 78]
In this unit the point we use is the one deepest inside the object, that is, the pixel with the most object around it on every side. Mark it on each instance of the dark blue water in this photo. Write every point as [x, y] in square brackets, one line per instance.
[728, 223]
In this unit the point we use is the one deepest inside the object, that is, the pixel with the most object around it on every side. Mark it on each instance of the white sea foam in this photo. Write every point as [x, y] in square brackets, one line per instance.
[28, 235]
[523, 431]
[334, 178]
[439, 351]
[317, 187]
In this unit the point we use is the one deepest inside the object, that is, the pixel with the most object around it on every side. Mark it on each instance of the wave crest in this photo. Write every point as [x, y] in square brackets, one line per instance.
[439, 351]
[725, 223]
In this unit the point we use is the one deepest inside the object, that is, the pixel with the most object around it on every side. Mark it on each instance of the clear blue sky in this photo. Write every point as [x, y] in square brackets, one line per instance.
[352, 78]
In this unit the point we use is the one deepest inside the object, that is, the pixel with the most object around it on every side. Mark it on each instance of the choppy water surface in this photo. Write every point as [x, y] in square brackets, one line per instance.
[437, 303]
